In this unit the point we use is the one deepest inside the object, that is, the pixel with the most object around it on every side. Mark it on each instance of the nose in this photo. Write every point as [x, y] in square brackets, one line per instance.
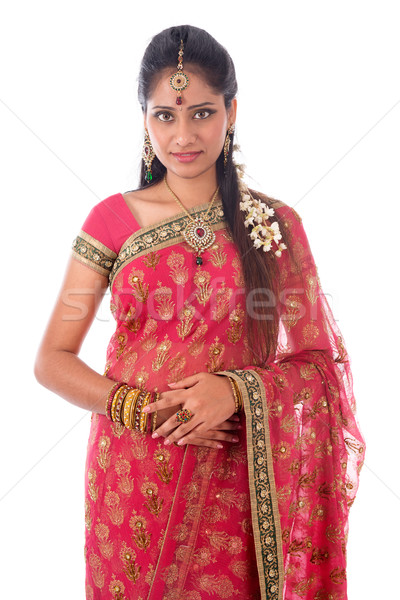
[185, 136]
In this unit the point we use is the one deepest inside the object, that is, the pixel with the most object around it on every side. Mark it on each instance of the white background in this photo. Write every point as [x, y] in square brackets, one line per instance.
[319, 127]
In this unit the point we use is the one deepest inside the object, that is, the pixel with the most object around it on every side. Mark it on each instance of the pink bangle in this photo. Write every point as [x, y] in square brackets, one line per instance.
[110, 397]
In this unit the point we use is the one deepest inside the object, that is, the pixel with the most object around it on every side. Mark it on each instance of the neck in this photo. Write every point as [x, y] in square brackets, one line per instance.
[194, 191]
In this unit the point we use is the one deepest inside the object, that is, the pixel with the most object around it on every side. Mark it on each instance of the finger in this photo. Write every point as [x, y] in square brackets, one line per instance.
[172, 425]
[166, 401]
[229, 426]
[165, 429]
[165, 432]
[185, 382]
[211, 436]
[206, 443]
[234, 417]
[182, 430]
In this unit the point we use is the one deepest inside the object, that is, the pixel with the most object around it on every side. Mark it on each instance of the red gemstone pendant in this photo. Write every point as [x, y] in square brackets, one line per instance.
[199, 236]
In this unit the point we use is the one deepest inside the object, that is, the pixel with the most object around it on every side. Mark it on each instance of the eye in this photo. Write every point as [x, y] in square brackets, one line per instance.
[203, 114]
[165, 117]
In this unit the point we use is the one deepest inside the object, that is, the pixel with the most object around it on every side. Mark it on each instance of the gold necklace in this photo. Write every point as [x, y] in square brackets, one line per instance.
[198, 233]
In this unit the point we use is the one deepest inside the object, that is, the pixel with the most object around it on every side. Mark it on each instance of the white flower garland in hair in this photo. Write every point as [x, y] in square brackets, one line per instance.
[264, 233]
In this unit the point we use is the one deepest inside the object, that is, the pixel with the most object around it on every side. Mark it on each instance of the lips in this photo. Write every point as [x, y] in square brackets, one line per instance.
[186, 156]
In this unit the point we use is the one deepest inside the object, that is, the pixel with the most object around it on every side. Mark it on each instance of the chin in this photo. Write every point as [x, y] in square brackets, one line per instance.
[189, 170]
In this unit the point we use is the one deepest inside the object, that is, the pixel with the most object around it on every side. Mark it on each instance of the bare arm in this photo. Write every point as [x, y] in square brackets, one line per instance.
[57, 365]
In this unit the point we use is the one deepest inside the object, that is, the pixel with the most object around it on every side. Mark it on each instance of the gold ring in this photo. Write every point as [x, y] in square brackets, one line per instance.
[183, 416]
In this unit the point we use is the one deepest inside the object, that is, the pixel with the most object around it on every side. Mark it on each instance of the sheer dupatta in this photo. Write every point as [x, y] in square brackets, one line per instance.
[304, 446]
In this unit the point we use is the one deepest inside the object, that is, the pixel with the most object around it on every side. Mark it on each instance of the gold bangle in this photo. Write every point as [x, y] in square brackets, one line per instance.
[144, 416]
[120, 402]
[154, 417]
[239, 395]
[138, 407]
[236, 395]
[115, 402]
[146, 401]
[119, 411]
[154, 422]
[131, 419]
[127, 409]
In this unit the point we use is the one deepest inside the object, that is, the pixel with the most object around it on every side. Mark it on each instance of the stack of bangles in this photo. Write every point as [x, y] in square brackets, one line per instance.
[125, 405]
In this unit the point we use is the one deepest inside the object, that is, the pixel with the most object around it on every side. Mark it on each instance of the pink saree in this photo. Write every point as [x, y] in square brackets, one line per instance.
[266, 518]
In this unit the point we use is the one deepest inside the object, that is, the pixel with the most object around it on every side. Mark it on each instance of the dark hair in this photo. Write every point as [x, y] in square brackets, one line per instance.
[259, 269]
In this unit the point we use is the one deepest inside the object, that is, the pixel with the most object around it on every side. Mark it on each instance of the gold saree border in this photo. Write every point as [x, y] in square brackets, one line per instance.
[263, 497]
[162, 234]
[92, 253]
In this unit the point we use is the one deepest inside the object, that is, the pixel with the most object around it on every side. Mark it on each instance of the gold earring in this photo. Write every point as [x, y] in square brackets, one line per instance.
[227, 144]
[148, 156]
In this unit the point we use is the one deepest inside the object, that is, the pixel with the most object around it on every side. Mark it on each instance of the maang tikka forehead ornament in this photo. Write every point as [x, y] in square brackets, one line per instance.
[179, 81]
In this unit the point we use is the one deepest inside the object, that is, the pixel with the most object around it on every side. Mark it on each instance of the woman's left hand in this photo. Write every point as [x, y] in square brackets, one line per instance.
[209, 398]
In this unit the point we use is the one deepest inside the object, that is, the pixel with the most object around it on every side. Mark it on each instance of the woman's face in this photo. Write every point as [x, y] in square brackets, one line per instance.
[188, 139]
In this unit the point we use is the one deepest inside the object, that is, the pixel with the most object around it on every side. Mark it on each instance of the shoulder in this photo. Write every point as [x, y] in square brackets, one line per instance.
[150, 205]
[143, 204]
[100, 213]
[151, 194]
[108, 206]
[109, 223]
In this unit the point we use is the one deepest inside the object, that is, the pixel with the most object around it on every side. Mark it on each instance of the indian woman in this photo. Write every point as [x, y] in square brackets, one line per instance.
[224, 451]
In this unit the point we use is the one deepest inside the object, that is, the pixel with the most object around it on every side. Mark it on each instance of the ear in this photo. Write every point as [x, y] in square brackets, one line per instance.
[232, 112]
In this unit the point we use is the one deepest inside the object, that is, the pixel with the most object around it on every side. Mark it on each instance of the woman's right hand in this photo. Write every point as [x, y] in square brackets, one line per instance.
[226, 432]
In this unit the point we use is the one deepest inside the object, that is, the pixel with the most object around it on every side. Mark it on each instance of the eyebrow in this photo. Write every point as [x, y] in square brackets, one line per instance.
[189, 107]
